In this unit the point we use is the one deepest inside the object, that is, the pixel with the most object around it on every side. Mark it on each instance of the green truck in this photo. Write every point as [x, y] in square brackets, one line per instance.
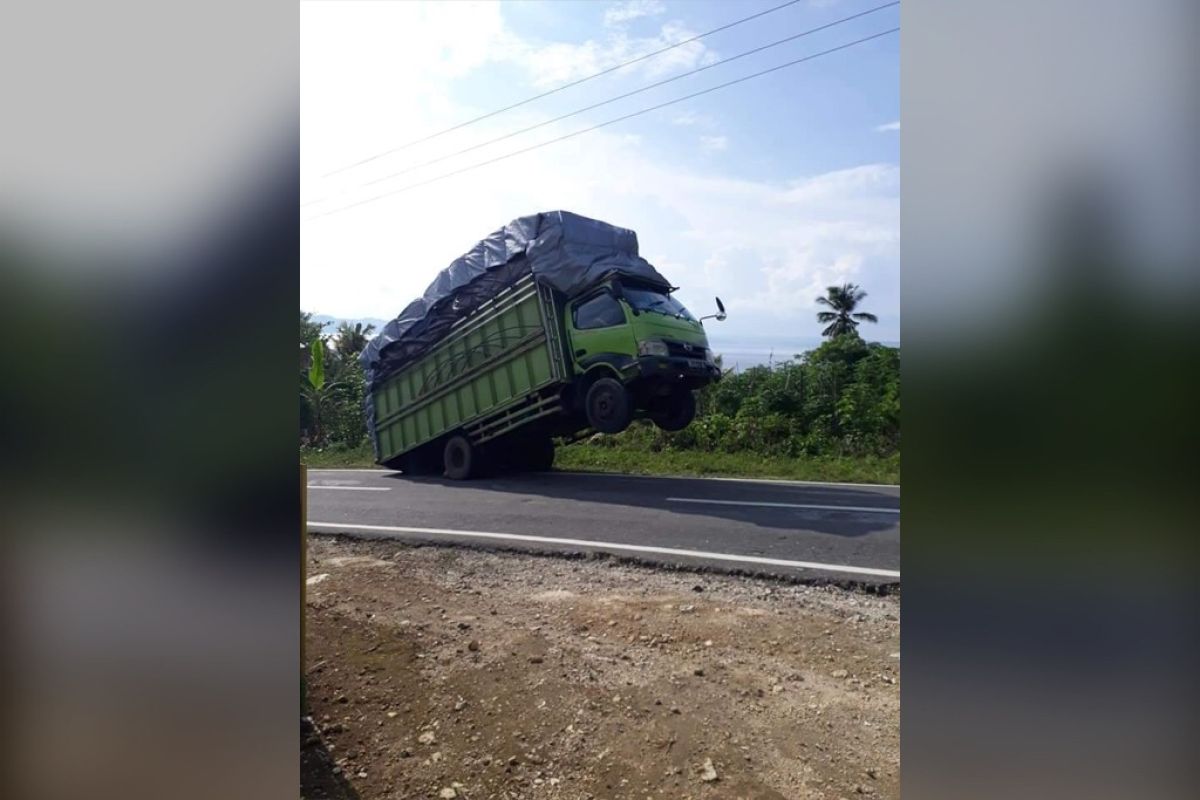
[551, 327]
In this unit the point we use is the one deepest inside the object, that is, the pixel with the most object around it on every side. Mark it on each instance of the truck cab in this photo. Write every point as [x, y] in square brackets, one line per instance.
[635, 349]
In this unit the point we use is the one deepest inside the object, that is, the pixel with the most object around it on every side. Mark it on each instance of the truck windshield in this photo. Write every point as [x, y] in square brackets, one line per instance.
[650, 300]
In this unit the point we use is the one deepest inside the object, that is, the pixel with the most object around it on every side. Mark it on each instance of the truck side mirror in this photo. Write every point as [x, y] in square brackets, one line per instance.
[720, 315]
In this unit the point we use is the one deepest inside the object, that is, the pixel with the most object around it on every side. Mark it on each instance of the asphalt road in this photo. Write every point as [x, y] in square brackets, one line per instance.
[838, 531]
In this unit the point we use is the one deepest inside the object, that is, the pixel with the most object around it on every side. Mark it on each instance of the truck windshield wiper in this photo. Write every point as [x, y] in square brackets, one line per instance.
[654, 306]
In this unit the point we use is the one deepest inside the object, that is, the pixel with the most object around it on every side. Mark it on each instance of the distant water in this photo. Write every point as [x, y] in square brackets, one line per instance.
[745, 353]
[741, 354]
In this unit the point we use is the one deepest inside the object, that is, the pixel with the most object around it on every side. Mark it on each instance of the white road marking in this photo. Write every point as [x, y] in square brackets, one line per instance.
[782, 505]
[633, 548]
[778, 481]
[353, 488]
[352, 469]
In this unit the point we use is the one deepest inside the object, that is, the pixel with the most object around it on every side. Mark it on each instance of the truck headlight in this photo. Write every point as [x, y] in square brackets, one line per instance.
[653, 347]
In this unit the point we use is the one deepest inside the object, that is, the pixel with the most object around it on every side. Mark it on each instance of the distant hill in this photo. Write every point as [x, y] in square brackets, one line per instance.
[331, 323]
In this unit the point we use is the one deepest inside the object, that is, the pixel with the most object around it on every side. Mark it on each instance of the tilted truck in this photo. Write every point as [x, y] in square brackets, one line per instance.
[553, 326]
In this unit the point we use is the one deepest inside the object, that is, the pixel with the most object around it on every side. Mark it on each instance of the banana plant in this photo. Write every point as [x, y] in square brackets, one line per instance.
[319, 394]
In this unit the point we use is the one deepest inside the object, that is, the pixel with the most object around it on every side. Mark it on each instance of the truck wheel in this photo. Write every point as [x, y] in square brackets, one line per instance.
[540, 456]
[609, 409]
[679, 412]
[459, 458]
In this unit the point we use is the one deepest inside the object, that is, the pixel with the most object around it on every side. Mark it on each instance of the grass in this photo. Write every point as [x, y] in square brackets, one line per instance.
[337, 455]
[637, 461]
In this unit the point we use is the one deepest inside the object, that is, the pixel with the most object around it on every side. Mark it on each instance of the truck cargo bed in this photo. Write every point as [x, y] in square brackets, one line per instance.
[499, 368]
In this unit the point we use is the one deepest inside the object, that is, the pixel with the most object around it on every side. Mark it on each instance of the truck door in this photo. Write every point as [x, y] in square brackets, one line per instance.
[599, 330]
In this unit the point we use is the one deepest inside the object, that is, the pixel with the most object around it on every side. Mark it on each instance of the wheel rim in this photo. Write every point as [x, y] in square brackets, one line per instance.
[604, 405]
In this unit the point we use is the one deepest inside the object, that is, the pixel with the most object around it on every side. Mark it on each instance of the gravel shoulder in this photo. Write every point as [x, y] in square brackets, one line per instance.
[453, 673]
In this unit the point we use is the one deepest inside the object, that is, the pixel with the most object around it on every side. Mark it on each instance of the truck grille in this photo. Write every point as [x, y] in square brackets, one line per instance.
[684, 350]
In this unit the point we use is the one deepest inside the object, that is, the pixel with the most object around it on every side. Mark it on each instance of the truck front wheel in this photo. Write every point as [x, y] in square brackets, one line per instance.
[609, 408]
[679, 409]
[459, 458]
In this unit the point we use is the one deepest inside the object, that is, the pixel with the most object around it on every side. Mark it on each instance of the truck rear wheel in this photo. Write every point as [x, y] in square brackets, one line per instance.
[540, 456]
[460, 458]
[679, 409]
[608, 406]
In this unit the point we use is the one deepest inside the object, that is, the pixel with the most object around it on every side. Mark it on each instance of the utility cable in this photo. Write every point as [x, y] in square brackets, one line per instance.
[606, 123]
[557, 89]
[646, 88]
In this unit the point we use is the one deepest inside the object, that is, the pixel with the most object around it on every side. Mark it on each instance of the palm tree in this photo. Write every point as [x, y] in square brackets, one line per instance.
[350, 340]
[309, 328]
[843, 319]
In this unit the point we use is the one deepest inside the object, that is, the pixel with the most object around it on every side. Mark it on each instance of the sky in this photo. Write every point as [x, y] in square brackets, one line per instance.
[762, 193]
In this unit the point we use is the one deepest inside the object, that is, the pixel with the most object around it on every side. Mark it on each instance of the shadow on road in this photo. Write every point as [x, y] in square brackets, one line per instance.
[653, 493]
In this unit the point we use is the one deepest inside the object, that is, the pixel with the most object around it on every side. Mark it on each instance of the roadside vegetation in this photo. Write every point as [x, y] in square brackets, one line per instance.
[832, 413]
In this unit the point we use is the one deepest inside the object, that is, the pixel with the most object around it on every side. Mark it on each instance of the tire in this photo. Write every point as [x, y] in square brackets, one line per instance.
[460, 458]
[679, 412]
[540, 455]
[608, 406]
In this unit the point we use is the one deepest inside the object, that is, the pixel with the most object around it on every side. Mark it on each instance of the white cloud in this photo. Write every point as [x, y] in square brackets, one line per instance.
[767, 247]
[691, 119]
[559, 62]
[890, 126]
[772, 250]
[620, 13]
[713, 144]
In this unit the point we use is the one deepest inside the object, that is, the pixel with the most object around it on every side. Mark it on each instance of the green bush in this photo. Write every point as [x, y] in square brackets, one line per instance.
[840, 400]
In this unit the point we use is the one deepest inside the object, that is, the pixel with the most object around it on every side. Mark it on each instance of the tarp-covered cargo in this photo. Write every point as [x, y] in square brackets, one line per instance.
[564, 250]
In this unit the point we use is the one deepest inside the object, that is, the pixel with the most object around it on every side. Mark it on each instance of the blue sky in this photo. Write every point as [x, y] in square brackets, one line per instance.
[761, 193]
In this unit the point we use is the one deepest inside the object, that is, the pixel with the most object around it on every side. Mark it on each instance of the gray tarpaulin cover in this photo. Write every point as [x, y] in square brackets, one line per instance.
[564, 250]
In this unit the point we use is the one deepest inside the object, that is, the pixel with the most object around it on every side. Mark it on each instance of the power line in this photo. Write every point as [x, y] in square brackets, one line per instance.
[585, 79]
[605, 124]
[646, 88]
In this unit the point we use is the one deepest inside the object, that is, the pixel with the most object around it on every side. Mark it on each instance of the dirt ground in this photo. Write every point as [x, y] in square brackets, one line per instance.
[451, 673]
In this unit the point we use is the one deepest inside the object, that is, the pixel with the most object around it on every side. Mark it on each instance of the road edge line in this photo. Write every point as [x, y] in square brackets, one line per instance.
[634, 548]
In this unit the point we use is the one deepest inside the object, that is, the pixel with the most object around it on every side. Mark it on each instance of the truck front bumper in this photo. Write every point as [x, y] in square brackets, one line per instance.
[693, 372]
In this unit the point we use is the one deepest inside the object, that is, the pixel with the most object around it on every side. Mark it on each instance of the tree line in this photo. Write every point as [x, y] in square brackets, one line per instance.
[332, 383]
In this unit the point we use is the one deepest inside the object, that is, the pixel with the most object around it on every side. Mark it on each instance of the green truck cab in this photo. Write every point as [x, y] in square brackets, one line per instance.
[565, 333]
[643, 339]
